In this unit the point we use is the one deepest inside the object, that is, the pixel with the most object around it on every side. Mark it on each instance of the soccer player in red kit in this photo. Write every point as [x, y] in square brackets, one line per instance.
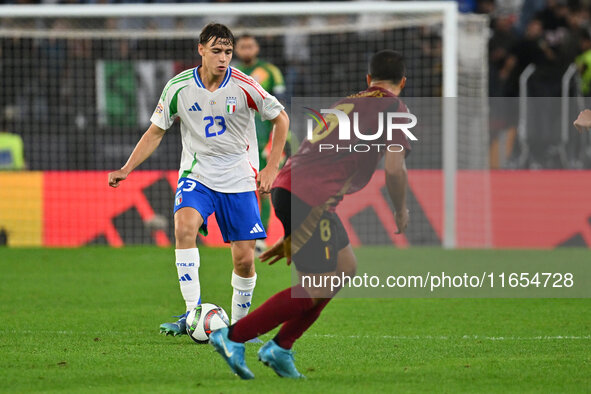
[305, 195]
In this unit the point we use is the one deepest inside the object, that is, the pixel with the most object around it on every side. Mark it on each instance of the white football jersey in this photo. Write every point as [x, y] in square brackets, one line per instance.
[217, 128]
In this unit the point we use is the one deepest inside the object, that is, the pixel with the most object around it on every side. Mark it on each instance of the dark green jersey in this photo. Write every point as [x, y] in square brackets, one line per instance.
[271, 79]
[267, 75]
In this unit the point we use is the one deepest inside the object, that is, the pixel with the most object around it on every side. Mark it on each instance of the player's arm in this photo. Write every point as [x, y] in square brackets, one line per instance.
[267, 175]
[583, 121]
[396, 182]
[144, 148]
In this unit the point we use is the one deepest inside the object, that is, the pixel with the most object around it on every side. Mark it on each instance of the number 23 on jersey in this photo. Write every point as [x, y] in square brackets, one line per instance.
[215, 126]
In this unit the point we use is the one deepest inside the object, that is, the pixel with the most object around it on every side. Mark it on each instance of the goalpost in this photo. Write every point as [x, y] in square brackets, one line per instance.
[90, 55]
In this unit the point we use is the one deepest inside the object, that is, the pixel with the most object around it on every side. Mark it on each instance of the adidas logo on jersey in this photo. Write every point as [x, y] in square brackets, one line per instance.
[185, 278]
[256, 229]
[195, 107]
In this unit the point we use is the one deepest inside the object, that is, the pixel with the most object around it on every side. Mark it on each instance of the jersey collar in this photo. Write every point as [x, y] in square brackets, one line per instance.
[386, 92]
[200, 83]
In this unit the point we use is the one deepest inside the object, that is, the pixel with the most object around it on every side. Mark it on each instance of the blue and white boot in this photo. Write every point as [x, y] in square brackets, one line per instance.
[177, 328]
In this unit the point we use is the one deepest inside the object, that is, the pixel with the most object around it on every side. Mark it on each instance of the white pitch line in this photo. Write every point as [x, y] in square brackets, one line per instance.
[464, 337]
[393, 337]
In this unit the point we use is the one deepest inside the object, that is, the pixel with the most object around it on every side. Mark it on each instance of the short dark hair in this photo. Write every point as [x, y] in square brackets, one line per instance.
[387, 65]
[217, 31]
[245, 35]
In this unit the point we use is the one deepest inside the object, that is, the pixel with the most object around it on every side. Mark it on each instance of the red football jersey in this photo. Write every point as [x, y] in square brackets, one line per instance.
[317, 176]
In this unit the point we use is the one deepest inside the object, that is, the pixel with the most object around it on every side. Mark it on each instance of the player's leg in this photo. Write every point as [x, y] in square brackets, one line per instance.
[277, 353]
[244, 278]
[283, 306]
[293, 329]
[273, 312]
[193, 205]
[239, 220]
[187, 222]
[317, 265]
[243, 283]
[288, 304]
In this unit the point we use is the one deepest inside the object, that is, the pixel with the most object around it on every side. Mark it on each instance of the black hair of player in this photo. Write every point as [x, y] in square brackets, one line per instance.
[220, 33]
[387, 65]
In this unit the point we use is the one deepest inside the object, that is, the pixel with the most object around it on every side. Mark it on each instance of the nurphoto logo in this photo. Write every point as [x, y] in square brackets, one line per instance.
[326, 125]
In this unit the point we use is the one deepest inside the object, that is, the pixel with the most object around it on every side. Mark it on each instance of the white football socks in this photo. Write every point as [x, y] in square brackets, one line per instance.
[187, 265]
[243, 288]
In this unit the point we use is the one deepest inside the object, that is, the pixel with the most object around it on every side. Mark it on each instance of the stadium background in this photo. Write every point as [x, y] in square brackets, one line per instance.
[79, 93]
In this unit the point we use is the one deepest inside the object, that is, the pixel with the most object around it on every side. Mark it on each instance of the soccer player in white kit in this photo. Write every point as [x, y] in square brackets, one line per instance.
[219, 174]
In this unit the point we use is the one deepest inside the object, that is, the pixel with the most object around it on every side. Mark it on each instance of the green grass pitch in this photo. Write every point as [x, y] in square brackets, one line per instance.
[86, 320]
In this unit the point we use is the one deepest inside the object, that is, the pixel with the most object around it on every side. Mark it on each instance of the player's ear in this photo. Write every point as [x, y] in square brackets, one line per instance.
[200, 49]
[368, 79]
[402, 83]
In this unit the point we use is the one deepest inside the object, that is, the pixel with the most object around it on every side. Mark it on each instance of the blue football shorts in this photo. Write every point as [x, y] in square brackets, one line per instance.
[237, 214]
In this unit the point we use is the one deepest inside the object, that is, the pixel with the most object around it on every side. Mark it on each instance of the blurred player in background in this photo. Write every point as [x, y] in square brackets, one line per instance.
[305, 195]
[271, 79]
[216, 104]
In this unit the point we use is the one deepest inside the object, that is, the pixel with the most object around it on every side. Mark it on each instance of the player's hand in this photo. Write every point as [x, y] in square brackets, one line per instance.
[401, 221]
[583, 121]
[276, 252]
[265, 179]
[117, 176]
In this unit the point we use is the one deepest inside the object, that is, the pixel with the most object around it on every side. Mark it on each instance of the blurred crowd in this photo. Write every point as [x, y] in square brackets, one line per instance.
[551, 35]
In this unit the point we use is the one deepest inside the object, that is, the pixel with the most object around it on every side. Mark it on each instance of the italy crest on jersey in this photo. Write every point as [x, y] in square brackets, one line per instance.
[231, 105]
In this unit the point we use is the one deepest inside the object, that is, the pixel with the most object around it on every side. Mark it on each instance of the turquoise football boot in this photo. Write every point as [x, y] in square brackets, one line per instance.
[232, 352]
[280, 360]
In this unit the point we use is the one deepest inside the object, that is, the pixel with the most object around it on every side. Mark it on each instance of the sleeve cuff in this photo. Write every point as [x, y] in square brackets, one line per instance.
[159, 121]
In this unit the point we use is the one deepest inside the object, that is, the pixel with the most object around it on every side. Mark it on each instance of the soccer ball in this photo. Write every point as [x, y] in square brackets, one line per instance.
[204, 319]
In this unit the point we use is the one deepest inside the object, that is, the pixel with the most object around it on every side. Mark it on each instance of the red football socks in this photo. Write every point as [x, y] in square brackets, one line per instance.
[295, 328]
[276, 310]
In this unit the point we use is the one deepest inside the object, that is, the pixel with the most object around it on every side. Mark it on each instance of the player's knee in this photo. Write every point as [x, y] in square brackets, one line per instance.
[243, 265]
[185, 233]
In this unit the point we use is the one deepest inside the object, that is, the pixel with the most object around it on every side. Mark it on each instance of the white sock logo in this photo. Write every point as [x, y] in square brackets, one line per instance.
[185, 278]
